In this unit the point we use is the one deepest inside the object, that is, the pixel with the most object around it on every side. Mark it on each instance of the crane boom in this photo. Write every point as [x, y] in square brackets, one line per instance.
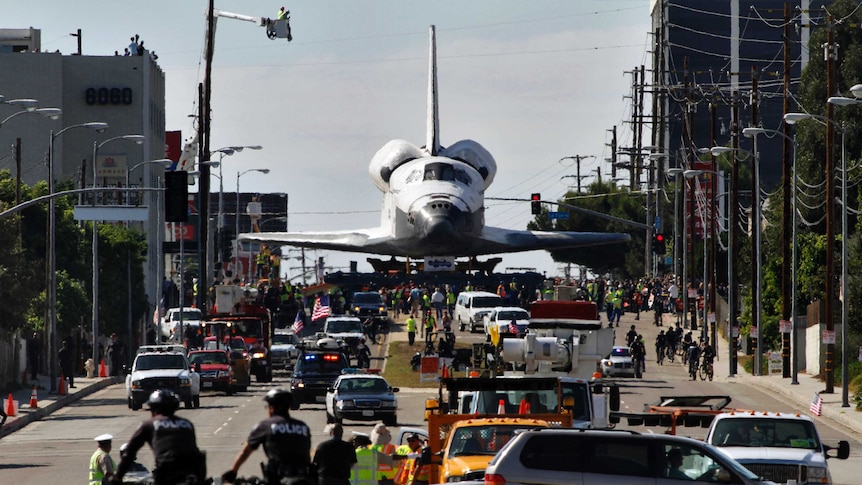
[260, 21]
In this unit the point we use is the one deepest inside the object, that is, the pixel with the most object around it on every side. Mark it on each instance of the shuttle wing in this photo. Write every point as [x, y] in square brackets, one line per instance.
[498, 240]
[373, 241]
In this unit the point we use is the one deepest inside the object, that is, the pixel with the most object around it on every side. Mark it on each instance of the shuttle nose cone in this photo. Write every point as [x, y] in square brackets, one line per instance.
[440, 230]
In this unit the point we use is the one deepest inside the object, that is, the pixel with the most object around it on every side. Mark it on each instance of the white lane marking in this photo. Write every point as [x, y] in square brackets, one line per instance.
[219, 429]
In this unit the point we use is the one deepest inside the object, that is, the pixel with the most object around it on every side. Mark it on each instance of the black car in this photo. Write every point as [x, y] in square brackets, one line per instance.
[369, 304]
[314, 372]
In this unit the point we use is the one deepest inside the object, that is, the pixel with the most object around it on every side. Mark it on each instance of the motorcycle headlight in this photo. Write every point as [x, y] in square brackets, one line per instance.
[258, 355]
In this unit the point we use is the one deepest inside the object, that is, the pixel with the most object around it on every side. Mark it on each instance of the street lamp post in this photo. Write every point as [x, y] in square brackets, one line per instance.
[51, 293]
[139, 139]
[793, 118]
[752, 132]
[227, 151]
[236, 219]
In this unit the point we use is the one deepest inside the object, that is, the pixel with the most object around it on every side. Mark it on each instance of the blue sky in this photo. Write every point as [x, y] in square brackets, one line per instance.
[533, 81]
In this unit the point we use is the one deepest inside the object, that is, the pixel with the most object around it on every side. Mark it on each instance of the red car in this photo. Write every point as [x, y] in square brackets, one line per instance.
[214, 368]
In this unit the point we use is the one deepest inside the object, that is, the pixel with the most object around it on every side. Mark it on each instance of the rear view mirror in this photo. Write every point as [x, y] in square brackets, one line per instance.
[843, 450]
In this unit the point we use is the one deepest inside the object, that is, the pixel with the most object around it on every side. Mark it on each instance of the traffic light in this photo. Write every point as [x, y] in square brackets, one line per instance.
[176, 196]
[658, 244]
[536, 203]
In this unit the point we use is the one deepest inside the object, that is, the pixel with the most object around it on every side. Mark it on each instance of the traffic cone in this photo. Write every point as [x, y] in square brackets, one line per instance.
[445, 374]
[61, 386]
[10, 406]
[33, 403]
[522, 409]
[103, 370]
[501, 408]
[526, 409]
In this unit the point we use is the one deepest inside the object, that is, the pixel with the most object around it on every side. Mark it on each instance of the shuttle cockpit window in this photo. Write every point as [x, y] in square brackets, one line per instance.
[445, 172]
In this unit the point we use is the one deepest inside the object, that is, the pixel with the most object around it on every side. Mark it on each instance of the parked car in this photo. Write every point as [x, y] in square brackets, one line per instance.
[502, 317]
[557, 455]
[214, 368]
[361, 397]
[618, 363]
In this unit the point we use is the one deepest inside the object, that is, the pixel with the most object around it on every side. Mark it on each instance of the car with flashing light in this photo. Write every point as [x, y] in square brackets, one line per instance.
[361, 397]
[369, 304]
[283, 349]
[190, 318]
[162, 370]
[215, 370]
[618, 363]
[316, 369]
[502, 318]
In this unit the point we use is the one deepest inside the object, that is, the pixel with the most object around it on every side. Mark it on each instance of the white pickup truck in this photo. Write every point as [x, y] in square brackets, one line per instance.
[162, 369]
[779, 447]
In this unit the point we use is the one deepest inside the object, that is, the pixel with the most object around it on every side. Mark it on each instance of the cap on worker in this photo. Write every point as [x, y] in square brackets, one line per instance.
[103, 437]
[413, 437]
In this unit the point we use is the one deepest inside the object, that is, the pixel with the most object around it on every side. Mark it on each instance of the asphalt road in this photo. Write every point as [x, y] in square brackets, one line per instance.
[57, 449]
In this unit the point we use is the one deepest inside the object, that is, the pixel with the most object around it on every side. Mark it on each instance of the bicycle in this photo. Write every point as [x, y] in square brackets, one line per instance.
[692, 369]
[705, 369]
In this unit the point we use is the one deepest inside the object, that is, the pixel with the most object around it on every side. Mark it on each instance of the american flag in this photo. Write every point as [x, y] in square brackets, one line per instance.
[513, 328]
[816, 407]
[321, 308]
[298, 324]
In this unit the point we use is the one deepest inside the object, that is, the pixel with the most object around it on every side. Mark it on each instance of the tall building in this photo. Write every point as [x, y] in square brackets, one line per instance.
[126, 92]
[707, 50]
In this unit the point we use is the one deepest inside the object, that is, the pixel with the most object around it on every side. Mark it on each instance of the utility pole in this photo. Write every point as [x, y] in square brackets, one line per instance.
[755, 220]
[713, 234]
[787, 173]
[686, 139]
[830, 52]
[613, 152]
[733, 228]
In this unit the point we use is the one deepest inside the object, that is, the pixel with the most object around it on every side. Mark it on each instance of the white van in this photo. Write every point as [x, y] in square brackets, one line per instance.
[471, 307]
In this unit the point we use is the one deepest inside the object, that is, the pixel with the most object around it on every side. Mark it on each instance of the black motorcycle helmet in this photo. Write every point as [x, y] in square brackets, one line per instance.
[163, 401]
[279, 398]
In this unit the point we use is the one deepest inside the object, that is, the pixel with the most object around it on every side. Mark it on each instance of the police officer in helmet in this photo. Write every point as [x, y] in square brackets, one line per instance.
[172, 440]
[286, 442]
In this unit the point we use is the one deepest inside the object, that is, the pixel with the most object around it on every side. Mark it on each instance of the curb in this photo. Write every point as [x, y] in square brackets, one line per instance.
[40, 413]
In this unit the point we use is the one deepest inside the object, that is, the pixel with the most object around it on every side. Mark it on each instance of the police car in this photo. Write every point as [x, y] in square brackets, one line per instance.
[318, 365]
[361, 397]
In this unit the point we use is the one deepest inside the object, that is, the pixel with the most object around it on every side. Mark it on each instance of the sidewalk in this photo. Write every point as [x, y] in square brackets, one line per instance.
[48, 403]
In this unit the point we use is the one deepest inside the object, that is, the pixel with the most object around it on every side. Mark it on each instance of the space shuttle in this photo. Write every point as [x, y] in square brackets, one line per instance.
[434, 203]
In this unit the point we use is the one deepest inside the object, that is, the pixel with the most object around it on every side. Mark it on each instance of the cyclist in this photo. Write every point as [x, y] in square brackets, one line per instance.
[638, 352]
[708, 356]
[659, 347]
[363, 355]
[693, 358]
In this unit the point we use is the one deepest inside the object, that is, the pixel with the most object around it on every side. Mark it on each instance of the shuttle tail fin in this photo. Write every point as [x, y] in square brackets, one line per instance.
[433, 136]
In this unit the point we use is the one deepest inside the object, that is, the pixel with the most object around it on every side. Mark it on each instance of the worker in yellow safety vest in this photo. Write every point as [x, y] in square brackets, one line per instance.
[364, 471]
[102, 466]
[381, 441]
[414, 470]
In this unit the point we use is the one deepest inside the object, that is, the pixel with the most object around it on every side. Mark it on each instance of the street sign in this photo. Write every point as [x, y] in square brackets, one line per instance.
[558, 215]
[657, 223]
